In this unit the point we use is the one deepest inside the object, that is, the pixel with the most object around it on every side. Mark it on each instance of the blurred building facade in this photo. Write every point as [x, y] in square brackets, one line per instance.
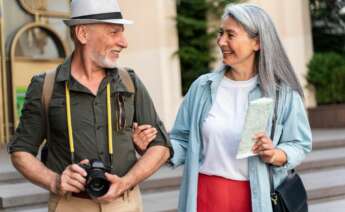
[34, 39]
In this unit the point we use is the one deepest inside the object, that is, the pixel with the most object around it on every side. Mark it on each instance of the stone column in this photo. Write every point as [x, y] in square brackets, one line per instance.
[2, 88]
[153, 42]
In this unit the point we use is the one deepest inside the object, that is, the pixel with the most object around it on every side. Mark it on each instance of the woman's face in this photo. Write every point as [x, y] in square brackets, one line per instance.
[237, 47]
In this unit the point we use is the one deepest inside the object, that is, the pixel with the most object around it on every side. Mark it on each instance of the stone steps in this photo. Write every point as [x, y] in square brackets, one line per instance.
[165, 179]
[164, 183]
[323, 173]
[331, 205]
[323, 158]
[152, 203]
[324, 183]
[21, 194]
[319, 184]
[324, 144]
[30, 208]
[26, 197]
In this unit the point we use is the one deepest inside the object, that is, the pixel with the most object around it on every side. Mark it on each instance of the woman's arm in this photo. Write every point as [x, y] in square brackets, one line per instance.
[179, 135]
[295, 138]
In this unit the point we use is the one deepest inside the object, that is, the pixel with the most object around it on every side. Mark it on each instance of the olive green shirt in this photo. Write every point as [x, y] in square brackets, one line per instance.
[89, 121]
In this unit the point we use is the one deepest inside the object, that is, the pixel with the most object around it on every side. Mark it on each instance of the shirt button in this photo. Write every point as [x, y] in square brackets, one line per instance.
[99, 127]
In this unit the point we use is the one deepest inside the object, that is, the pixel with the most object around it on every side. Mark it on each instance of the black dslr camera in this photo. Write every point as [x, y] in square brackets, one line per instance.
[96, 183]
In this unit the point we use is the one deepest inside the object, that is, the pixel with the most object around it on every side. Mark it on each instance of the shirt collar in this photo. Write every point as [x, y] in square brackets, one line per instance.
[213, 80]
[64, 74]
[218, 74]
[64, 70]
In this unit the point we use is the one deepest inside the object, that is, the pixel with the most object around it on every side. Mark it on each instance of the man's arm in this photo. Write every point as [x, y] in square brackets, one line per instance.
[149, 163]
[71, 180]
[157, 153]
[27, 140]
[34, 170]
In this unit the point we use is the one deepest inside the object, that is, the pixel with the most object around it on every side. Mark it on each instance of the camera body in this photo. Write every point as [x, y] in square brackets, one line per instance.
[96, 183]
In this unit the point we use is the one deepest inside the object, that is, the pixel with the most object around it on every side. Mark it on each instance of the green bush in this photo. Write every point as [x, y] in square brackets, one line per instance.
[195, 37]
[327, 75]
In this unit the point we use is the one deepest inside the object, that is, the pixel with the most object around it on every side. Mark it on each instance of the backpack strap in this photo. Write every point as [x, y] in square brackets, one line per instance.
[126, 79]
[47, 92]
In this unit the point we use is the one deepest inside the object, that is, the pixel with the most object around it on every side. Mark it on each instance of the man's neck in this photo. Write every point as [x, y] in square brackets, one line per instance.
[86, 72]
[82, 68]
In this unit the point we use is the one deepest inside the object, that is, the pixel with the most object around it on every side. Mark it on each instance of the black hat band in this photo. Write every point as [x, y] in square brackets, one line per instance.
[101, 16]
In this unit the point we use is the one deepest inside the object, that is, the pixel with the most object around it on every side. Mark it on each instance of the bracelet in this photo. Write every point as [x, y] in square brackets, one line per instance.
[57, 184]
[273, 157]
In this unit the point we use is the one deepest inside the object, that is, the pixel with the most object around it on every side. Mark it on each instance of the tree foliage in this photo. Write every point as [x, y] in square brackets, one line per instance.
[195, 36]
[328, 25]
[327, 67]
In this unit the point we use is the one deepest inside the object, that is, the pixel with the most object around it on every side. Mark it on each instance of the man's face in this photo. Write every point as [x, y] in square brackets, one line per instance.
[104, 43]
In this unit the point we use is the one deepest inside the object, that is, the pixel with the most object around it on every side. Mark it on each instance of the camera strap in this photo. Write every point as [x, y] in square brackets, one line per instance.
[70, 129]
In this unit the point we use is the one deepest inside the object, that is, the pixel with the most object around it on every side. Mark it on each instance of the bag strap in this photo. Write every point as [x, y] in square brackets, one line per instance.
[126, 79]
[274, 121]
[47, 92]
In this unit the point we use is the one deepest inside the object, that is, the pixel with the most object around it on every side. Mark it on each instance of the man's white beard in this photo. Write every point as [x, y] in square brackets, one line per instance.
[103, 62]
[106, 63]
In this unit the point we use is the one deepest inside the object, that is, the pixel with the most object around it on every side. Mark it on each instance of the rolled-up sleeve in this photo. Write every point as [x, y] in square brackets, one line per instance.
[145, 113]
[29, 133]
[181, 132]
[296, 138]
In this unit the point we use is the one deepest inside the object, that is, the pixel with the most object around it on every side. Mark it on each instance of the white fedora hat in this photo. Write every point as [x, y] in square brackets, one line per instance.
[95, 11]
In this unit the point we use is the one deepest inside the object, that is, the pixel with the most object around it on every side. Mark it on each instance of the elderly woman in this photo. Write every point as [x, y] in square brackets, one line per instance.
[206, 133]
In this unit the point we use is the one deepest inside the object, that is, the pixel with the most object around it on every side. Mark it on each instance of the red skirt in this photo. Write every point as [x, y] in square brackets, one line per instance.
[217, 194]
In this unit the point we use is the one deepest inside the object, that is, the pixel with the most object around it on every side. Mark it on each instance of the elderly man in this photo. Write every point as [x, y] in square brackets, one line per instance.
[90, 116]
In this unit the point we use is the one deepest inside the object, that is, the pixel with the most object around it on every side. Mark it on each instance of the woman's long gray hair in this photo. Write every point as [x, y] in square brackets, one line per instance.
[272, 63]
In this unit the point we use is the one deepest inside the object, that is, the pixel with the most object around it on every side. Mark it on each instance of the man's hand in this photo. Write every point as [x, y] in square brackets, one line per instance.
[72, 179]
[143, 135]
[117, 188]
[150, 162]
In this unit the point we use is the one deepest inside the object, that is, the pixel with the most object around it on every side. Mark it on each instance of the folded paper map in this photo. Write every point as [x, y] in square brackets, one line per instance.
[256, 121]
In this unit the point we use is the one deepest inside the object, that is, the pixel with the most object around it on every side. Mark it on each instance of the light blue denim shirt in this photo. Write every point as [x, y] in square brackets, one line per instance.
[292, 135]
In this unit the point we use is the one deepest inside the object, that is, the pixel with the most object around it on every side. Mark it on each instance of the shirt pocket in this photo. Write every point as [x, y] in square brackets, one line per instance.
[124, 110]
[128, 99]
[58, 116]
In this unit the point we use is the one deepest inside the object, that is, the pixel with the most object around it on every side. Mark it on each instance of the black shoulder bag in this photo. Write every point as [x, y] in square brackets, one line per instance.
[290, 195]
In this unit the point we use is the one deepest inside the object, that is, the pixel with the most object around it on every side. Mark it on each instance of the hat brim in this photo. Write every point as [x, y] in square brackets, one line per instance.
[73, 22]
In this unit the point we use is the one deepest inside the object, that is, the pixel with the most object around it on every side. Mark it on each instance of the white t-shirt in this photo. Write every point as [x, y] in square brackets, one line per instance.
[222, 129]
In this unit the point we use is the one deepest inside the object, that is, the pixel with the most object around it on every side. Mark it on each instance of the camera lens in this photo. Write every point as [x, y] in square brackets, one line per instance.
[97, 184]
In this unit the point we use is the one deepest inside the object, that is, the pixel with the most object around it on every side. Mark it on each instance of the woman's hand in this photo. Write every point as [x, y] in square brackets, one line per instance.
[143, 135]
[265, 148]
